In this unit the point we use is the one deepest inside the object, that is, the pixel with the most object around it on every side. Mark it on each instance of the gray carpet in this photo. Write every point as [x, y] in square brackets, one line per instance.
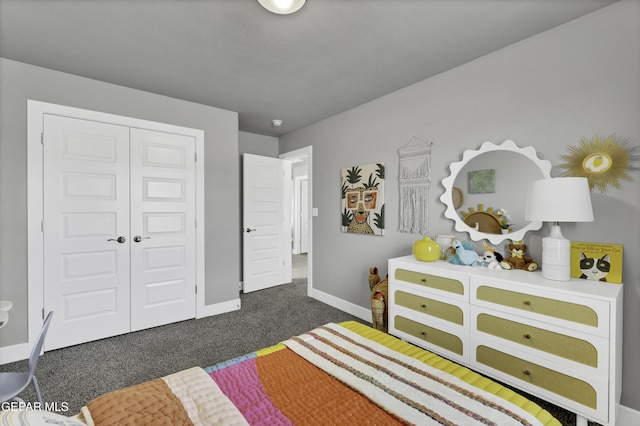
[73, 376]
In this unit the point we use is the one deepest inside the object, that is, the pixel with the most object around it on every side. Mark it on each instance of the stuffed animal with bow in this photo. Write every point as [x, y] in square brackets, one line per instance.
[491, 258]
[517, 258]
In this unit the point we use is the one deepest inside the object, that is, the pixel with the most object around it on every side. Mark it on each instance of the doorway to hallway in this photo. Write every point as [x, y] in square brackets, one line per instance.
[302, 168]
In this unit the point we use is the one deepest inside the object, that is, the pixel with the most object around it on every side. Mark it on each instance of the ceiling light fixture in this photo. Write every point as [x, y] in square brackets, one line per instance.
[276, 123]
[282, 7]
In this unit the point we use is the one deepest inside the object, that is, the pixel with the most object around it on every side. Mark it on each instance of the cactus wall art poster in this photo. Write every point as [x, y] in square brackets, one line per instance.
[362, 207]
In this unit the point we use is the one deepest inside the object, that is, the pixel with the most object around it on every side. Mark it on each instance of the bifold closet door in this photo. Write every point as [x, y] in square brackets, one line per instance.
[85, 230]
[162, 228]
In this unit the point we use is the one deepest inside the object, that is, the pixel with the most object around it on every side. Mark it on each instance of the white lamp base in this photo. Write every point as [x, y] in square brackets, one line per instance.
[556, 256]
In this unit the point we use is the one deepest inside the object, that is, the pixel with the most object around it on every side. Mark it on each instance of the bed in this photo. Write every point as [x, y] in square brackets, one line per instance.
[345, 373]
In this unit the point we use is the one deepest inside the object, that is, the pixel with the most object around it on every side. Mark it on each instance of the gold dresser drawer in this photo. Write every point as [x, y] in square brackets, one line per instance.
[429, 334]
[449, 285]
[561, 345]
[561, 384]
[434, 308]
[555, 308]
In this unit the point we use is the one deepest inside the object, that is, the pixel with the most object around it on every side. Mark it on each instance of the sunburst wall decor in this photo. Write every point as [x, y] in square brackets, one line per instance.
[603, 161]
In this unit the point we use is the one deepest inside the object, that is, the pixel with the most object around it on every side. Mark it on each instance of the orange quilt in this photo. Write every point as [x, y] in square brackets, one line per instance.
[151, 403]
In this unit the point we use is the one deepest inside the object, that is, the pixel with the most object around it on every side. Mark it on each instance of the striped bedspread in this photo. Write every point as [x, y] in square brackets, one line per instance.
[382, 386]
[335, 374]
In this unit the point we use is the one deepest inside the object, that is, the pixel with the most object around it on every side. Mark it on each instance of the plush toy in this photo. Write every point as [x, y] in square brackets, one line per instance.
[517, 259]
[379, 297]
[491, 259]
[464, 253]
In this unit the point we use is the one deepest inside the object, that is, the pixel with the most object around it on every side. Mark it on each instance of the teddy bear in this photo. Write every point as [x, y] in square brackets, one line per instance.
[517, 259]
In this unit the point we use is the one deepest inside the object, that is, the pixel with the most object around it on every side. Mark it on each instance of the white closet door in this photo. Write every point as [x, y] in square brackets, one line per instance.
[86, 210]
[163, 228]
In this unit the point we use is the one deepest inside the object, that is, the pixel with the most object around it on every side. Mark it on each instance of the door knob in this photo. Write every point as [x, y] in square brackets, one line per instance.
[120, 239]
[138, 238]
[249, 230]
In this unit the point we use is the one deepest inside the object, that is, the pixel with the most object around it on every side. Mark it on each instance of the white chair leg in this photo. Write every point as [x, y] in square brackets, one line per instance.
[35, 385]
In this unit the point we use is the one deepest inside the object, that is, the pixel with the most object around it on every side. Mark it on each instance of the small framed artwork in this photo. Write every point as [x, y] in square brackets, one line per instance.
[482, 181]
[597, 262]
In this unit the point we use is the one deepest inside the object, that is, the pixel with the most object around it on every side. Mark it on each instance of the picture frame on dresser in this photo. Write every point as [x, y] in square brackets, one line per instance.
[559, 341]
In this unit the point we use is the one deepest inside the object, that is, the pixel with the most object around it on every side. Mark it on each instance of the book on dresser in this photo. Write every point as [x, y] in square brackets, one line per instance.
[597, 261]
[560, 341]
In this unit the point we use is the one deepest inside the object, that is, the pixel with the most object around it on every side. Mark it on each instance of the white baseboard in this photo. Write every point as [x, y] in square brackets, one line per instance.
[348, 307]
[218, 308]
[14, 353]
[627, 416]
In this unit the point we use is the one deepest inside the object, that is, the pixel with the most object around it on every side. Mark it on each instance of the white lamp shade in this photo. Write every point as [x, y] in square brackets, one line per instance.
[282, 7]
[566, 199]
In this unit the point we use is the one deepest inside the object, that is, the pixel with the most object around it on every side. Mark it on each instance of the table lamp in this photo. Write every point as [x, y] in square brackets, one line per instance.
[566, 199]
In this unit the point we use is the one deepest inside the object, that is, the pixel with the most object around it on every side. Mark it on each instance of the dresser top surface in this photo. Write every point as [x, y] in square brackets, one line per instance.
[585, 287]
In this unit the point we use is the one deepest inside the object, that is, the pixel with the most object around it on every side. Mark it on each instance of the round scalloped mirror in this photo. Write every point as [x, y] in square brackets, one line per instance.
[494, 180]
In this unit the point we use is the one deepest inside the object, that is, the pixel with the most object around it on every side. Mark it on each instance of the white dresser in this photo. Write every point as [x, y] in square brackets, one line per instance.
[560, 341]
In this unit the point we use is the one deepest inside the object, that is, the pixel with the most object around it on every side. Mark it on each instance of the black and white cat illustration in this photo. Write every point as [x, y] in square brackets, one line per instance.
[594, 269]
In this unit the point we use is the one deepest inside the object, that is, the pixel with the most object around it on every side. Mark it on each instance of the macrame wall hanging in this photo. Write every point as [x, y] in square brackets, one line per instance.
[414, 179]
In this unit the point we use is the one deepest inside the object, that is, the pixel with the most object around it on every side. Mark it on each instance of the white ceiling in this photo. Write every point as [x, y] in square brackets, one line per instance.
[331, 56]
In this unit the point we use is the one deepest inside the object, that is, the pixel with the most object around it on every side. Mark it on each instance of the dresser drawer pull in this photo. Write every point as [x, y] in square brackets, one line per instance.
[527, 372]
[423, 306]
[527, 302]
[527, 336]
[424, 333]
[424, 280]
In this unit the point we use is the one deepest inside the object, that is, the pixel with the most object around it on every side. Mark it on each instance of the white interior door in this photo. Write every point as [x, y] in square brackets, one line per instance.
[163, 228]
[266, 222]
[85, 229]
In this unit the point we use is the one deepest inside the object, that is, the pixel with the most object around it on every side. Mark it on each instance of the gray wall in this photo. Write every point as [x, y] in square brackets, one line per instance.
[252, 143]
[19, 82]
[549, 91]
